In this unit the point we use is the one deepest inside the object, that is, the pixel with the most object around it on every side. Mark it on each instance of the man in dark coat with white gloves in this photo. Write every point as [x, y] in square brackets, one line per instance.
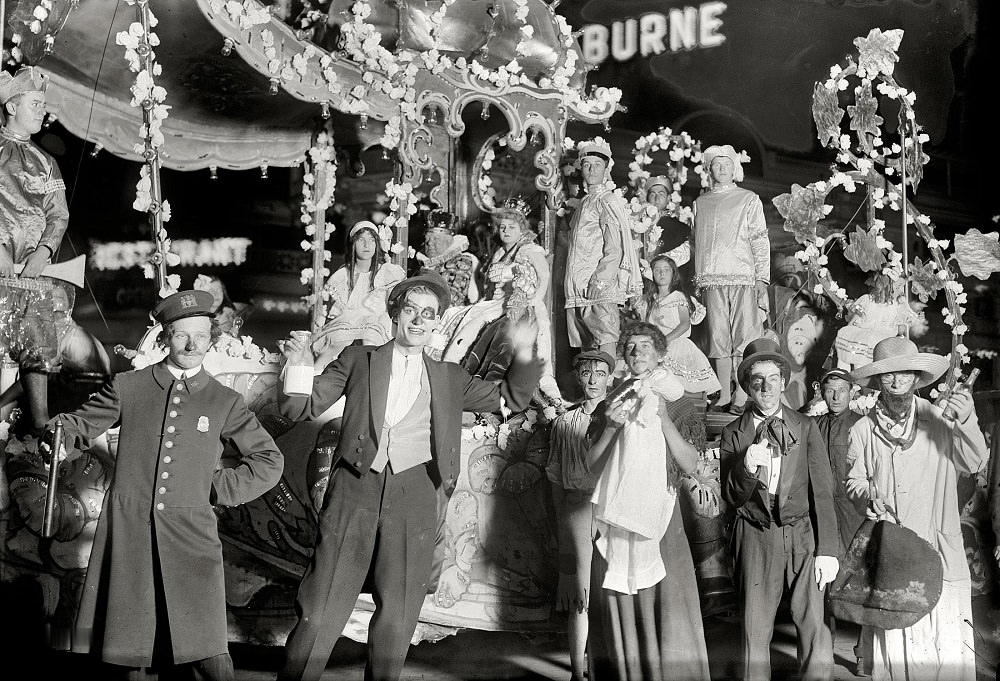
[400, 439]
[155, 589]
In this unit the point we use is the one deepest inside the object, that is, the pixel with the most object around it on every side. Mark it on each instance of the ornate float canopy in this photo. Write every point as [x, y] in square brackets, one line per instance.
[375, 67]
[397, 64]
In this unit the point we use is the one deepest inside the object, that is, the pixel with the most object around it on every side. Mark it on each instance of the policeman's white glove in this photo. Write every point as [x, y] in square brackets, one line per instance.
[758, 454]
[826, 568]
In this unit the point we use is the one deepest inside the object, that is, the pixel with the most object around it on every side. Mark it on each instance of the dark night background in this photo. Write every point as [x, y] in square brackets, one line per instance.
[753, 91]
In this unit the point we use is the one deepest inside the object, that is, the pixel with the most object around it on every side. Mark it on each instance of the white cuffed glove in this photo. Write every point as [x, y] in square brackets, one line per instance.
[826, 568]
[758, 454]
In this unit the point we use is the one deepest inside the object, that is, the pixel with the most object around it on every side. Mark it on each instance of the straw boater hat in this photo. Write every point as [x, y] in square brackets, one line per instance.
[727, 151]
[900, 354]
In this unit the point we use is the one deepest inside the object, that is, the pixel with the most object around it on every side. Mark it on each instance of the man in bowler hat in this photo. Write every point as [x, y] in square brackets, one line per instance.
[906, 456]
[776, 475]
[154, 596]
[400, 439]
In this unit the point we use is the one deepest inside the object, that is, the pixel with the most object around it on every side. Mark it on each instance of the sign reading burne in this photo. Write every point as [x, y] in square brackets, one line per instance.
[682, 28]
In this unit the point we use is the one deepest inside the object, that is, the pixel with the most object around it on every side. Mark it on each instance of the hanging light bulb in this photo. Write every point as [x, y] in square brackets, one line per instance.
[385, 154]
[50, 42]
[485, 115]
[96, 150]
[364, 121]
[227, 47]
[273, 88]
[263, 170]
[431, 116]
[324, 110]
[533, 138]
[50, 118]
[213, 172]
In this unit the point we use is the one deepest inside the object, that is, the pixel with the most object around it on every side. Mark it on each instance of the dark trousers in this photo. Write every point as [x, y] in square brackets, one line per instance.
[768, 560]
[217, 668]
[382, 524]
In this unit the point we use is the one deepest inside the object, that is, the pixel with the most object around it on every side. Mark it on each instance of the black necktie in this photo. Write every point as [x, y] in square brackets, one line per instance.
[775, 431]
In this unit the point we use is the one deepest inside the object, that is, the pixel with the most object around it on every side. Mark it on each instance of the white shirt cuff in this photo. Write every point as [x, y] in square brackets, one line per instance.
[298, 380]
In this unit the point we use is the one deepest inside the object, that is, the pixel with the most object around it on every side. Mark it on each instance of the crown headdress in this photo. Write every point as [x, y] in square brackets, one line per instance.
[27, 79]
[518, 204]
[441, 220]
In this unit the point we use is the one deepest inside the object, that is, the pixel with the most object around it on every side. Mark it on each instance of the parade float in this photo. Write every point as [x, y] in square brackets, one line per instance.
[209, 85]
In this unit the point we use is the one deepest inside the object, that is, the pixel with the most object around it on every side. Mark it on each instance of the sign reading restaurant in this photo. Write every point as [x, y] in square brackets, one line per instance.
[681, 29]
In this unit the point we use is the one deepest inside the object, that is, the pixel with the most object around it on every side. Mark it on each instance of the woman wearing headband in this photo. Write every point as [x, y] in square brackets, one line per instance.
[356, 295]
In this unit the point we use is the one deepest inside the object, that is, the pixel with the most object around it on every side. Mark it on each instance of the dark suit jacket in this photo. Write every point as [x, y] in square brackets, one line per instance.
[361, 373]
[805, 485]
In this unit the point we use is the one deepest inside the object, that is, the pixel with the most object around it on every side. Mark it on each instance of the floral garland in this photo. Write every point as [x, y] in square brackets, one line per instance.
[487, 193]
[149, 97]
[864, 155]
[489, 427]
[123, 255]
[681, 149]
[322, 155]
[402, 204]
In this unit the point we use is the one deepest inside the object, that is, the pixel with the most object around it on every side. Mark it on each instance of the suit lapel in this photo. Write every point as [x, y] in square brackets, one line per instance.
[379, 368]
[437, 378]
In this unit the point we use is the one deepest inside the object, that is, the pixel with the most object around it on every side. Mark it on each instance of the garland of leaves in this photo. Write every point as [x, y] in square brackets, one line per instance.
[866, 157]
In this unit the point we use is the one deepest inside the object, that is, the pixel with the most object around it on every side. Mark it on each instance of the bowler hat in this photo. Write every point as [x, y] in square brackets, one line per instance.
[429, 278]
[184, 304]
[761, 350]
[889, 579]
[899, 353]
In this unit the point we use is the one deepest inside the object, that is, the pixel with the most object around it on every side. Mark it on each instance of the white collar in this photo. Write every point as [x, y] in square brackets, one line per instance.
[178, 372]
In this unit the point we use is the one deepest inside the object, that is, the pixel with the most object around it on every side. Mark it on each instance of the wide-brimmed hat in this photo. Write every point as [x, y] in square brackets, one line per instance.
[184, 304]
[899, 353]
[727, 151]
[429, 278]
[890, 577]
[762, 350]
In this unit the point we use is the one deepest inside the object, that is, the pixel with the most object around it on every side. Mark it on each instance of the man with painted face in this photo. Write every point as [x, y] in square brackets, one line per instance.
[732, 267]
[776, 475]
[573, 479]
[906, 456]
[602, 267]
[400, 439]
[154, 596]
[33, 219]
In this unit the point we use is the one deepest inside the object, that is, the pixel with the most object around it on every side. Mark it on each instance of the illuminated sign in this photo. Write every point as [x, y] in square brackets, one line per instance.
[653, 33]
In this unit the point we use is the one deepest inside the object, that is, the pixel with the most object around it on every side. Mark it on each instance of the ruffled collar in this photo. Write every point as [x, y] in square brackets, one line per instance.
[459, 245]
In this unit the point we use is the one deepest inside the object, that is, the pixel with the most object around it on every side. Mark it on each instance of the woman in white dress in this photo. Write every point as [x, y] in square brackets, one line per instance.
[356, 296]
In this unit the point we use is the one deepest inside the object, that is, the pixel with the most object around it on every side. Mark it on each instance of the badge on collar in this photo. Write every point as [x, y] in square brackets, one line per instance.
[202, 424]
